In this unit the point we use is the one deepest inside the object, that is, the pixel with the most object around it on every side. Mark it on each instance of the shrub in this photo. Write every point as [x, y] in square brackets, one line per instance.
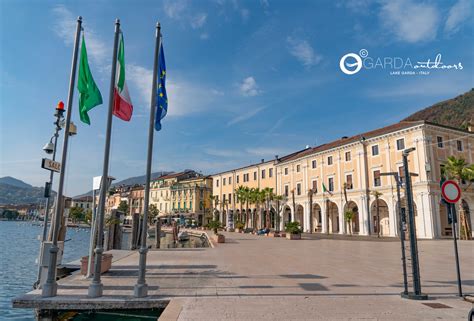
[293, 228]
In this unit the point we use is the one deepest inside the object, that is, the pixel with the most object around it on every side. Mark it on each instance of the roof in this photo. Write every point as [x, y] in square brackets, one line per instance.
[175, 175]
[370, 134]
[83, 199]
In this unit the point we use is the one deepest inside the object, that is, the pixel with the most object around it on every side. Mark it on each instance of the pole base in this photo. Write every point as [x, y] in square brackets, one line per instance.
[49, 289]
[413, 296]
[95, 290]
[140, 290]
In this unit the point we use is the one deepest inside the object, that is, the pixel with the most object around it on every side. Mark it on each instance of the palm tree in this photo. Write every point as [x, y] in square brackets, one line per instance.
[246, 197]
[268, 196]
[214, 199]
[310, 196]
[459, 170]
[278, 199]
[377, 194]
[255, 198]
[240, 192]
[348, 214]
[294, 205]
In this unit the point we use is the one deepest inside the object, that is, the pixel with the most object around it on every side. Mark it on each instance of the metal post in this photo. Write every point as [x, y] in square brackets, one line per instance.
[50, 287]
[96, 286]
[416, 295]
[458, 271]
[141, 288]
[92, 238]
[402, 237]
[59, 116]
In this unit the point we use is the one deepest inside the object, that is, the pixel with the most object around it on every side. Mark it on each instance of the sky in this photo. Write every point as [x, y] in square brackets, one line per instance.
[246, 80]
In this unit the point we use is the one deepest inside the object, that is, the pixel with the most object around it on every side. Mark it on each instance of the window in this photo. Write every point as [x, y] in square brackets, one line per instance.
[223, 181]
[375, 150]
[286, 170]
[439, 139]
[230, 198]
[298, 189]
[400, 144]
[348, 156]
[459, 145]
[286, 190]
[313, 164]
[223, 198]
[330, 160]
[349, 181]
[230, 180]
[331, 184]
[298, 168]
[217, 182]
[377, 180]
[315, 186]
[246, 177]
[270, 172]
[254, 176]
[263, 173]
[237, 179]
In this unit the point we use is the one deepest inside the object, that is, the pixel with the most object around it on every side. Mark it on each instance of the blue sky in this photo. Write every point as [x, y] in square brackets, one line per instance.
[246, 79]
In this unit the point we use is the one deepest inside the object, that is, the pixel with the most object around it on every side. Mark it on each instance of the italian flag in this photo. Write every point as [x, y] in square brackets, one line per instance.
[123, 107]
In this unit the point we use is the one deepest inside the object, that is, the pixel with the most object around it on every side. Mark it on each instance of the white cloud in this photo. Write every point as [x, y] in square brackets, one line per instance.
[198, 20]
[204, 36]
[245, 116]
[245, 13]
[249, 87]
[408, 21]
[458, 13]
[302, 50]
[65, 28]
[175, 8]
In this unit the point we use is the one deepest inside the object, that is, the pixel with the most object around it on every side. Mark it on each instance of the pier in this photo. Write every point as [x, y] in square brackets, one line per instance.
[262, 278]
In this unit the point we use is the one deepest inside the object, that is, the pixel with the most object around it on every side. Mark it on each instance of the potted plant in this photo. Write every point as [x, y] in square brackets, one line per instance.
[214, 225]
[348, 217]
[239, 226]
[293, 231]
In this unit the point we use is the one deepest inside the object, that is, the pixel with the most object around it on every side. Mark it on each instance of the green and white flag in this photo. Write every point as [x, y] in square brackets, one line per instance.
[89, 93]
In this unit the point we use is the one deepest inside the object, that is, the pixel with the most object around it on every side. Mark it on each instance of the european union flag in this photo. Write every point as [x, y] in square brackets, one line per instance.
[161, 97]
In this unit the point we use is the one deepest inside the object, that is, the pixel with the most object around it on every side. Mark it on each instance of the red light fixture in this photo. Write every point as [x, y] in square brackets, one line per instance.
[60, 106]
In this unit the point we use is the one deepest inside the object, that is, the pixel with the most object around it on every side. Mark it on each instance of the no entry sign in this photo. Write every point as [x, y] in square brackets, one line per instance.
[451, 191]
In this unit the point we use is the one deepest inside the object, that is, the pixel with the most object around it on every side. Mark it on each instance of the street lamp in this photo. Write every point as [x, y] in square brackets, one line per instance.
[49, 148]
[416, 294]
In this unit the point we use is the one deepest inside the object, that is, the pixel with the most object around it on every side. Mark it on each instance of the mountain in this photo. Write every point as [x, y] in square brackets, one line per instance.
[129, 181]
[455, 112]
[15, 191]
[14, 182]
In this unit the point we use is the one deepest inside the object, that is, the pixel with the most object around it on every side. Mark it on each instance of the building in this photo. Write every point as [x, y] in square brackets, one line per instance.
[84, 202]
[136, 200]
[344, 174]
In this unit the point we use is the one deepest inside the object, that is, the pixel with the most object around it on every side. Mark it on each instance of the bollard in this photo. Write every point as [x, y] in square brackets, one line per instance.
[157, 233]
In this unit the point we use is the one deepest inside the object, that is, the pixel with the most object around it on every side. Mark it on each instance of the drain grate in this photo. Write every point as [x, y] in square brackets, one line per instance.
[437, 305]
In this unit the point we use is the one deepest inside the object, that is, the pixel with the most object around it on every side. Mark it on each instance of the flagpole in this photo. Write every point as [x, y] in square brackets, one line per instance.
[50, 287]
[96, 286]
[141, 288]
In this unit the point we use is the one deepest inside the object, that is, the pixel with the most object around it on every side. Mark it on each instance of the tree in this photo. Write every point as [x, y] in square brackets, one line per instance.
[241, 199]
[88, 217]
[123, 207]
[214, 199]
[459, 170]
[310, 196]
[268, 196]
[152, 212]
[348, 217]
[76, 214]
[278, 199]
[377, 194]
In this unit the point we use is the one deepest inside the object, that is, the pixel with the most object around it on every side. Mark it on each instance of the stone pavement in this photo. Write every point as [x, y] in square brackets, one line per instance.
[261, 278]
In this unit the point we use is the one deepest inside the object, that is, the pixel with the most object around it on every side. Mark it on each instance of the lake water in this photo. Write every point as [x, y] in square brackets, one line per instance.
[18, 269]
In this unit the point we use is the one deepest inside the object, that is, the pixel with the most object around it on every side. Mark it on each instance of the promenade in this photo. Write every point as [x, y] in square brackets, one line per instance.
[263, 278]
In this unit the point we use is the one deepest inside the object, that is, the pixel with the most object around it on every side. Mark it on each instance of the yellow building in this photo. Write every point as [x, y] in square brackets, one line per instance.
[357, 163]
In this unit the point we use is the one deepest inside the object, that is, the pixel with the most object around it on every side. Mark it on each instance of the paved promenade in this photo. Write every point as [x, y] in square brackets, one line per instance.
[262, 278]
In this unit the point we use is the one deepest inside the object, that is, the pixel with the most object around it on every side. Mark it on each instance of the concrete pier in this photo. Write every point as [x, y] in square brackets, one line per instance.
[261, 278]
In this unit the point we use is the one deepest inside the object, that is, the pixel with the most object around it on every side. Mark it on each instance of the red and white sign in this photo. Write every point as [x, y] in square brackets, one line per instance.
[451, 191]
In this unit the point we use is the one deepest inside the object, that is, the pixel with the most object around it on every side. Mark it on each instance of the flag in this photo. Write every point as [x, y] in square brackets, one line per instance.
[325, 190]
[161, 96]
[89, 96]
[123, 107]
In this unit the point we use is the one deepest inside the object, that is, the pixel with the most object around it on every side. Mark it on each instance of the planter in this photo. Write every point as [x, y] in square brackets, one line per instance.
[104, 267]
[237, 230]
[293, 236]
[218, 238]
[273, 234]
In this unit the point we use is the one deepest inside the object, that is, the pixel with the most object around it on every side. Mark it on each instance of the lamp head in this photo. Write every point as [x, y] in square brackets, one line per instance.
[409, 150]
[49, 148]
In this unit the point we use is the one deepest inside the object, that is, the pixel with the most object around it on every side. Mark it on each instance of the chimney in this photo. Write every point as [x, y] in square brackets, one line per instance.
[263, 160]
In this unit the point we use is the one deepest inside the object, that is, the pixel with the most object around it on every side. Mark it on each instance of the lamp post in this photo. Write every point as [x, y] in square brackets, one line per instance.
[401, 225]
[49, 148]
[416, 294]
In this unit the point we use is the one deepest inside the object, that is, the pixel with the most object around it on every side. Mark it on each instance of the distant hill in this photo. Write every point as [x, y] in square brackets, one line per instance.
[15, 191]
[14, 182]
[130, 181]
[455, 112]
